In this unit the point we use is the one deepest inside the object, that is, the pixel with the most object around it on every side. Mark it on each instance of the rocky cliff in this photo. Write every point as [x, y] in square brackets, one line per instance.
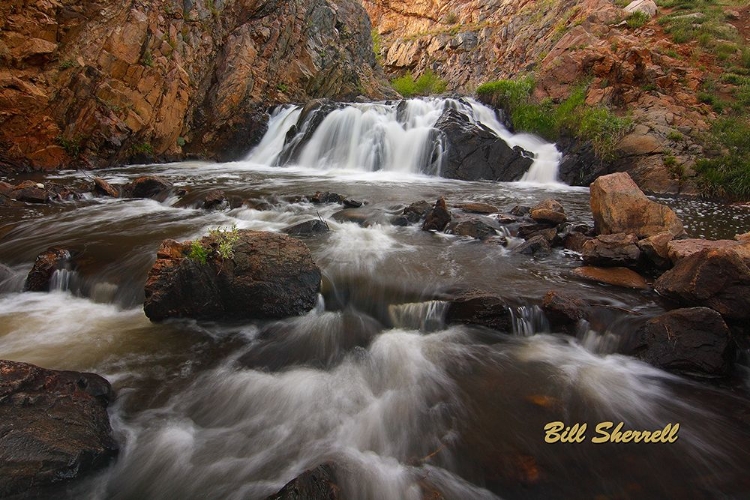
[637, 71]
[95, 82]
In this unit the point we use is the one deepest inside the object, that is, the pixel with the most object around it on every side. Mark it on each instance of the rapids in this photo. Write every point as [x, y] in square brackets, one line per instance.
[371, 379]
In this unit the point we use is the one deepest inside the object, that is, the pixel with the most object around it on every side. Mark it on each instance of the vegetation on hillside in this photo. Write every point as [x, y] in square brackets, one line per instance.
[571, 117]
[428, 83]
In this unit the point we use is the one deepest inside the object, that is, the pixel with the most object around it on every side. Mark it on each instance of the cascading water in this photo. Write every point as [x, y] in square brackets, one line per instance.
[395, 137]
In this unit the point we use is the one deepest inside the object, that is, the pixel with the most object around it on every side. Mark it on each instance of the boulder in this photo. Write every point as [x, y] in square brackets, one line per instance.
[45, 265]
[476, 307]
[477, 208]
[574, 241]
[307, 228]
[214, 199]
[474, 152]
[438, 217]
[656, 249]
[30, 192]
[647, 7]
[713, 278]
[617, 276]
[327, 197]
[563, 310]
[550, 211]
[416, 211]
[528, 231]
[104, 188]
[619, 206]
[149, 186]
[319, 483]
[679, 249]
[536, 245]
[54, 427]
[612, 250]
[268, 276]
[473, 228]
[693, 341]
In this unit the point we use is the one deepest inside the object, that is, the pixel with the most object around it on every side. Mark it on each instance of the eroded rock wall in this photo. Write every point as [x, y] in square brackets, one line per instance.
[95, 82]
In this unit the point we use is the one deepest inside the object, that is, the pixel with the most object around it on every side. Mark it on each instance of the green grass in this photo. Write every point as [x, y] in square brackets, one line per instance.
[728, 174]
[198, 252]
[427, 84]
[637, 19]
[572, 116]
[226, 239]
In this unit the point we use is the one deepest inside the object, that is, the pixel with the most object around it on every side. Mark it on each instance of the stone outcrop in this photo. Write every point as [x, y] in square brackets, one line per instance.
[713, 278]
[476, 153]
[694, 341]
[92, 83]
[54, 427]
[619, 206]
[268, 276]
[45, 265]
[438, 217]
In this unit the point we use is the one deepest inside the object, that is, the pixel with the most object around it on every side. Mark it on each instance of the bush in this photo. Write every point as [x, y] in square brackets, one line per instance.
[428, 83]
[226, 239]
[637, 19]
[727, 175]
[198, 252]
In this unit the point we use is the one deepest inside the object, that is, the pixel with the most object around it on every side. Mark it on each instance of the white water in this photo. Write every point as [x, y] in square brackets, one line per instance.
[393, 137]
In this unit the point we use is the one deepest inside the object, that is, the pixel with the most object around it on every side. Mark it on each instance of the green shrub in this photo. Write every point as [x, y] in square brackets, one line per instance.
[728, 174]
[225, 239]
[198, 252]
[142, 148]
[428, 83]
[637, 19]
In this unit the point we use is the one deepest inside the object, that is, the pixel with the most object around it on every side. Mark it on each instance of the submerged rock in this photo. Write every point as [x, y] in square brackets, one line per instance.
[536, 245]
[473, 228]
[693, 341]
[214, 199]
[619, 206]
[104, 188]
[617, 276]
[437, 218]
[45, 265]
[416, 211]
[269, 276]
[319, 483]
[148, 186]
[307, 228]
[478, 208]
[713, 278]
[476, 307]
[54, 426]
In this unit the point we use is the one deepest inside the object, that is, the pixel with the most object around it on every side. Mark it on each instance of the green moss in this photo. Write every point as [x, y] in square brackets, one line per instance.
[427, 84]
[142, 148]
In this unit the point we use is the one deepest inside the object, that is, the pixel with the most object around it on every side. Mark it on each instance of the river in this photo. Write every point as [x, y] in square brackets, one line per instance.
[371, 379]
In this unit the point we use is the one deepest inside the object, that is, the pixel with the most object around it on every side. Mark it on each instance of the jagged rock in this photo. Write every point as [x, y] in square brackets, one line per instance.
[550, 211]
[619, 206]
[694, 341]
[149, 186]
[713, 278]
[214, 199]
[307, 228]
[104, 188]
[438, 217]
[528, 231]
[679, 249]
[477, 208]
[574, 241]
[476, 307]
[612, 250]
[269, 276]
[473, 228]
[327, 197]
[319, 483]
[416, 211]
[536, 245]
[617, 276]
[647, 7]
[54, 427]
[656, 249]
[45, 265]
[476, 153]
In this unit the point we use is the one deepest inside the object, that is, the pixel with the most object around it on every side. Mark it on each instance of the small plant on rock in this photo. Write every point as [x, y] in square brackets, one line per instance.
[225, 239]
[198, 252]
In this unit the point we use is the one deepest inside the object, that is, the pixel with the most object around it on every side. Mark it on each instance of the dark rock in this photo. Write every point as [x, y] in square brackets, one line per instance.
[437, 218]
[580, 165]
[536, 245]
[269, 276]
[612, 250]
[479, 308]
[349, 203]
[693, 341]
[400, 220]
[655, 248]
[148, 186]
[319, 483]
[574, 241]
[104, 188]
[416, 211]
[473, 152]
[30, 192]
[364, 219]
[259, 205]
[214, 199]
[478, 208]
[54, 426]
[520, 210]
[505, 219]
[550, 211]
[563, 310]
[713, 278]
[5, 188]
[307, 228]
[528, 231]
[473, 228]
[326, 197]
[45, 265]
[299, 136]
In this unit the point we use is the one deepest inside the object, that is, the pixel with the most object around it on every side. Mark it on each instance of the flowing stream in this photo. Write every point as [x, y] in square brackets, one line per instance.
[371, 379]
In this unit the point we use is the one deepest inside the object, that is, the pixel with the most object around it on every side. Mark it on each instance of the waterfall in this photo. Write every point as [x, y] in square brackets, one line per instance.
[398, 137]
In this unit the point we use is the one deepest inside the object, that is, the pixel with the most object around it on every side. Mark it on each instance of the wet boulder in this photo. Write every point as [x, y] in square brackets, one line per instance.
[656, 249]
[267, 276]
[474, 152]
[478, 208]
[54, 427]
[528, 231]
[475, 307]
[319, 483]
[148, 186]
[327, 197]
[416, 211]
[693, 341]
[104, 188]
[619, 206]
[45, 265]
[679, 249]
[30, 192]
[714, 278]
[612, 250]
[616, 276]
[215, 199]
[472, 228]
[536, 245]
[438, 217]
[307, 228]
[549, 211]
